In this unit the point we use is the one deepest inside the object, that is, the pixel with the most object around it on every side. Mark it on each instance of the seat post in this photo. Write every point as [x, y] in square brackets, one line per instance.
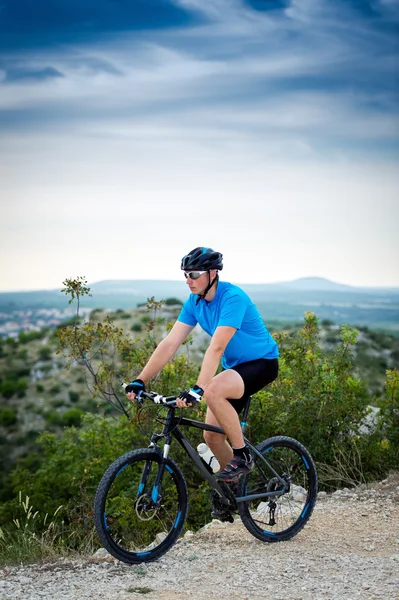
[244, 417]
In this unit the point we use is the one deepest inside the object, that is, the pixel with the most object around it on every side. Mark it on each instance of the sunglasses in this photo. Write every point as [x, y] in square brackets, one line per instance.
[194, 274]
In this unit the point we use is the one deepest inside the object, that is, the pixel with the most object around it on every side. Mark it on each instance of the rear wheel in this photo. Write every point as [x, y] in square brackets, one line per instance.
[136, 519]
[281, 516]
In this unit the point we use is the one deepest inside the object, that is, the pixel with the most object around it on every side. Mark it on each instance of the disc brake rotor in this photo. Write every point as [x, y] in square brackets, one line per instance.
[145, 508]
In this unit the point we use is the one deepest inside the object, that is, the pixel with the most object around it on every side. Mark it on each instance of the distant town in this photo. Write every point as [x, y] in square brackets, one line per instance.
[31, 319]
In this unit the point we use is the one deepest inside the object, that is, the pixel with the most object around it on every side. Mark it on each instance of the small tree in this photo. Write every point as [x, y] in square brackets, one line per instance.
[111, 357]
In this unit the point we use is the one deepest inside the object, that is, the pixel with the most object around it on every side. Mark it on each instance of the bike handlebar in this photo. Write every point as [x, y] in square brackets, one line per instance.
[159, 399]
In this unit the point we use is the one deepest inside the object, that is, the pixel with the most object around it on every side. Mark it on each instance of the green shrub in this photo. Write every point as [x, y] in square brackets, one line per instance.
[57, 402]
[26, 337]
[53, 417]
[8, 416]
[11, 343]
[389, 413]
[71, 417]
[22, 386]
[73, 396]
[317, 397]
[55, 389]
[16, 372]
[8, 388]
[136, 327]
[173, 302]
[22, 354]
[45, 353]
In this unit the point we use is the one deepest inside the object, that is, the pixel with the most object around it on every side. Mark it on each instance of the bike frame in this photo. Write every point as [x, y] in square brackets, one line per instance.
[171, 429]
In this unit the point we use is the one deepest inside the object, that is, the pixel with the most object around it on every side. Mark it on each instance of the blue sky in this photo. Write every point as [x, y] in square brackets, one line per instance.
[134, 130]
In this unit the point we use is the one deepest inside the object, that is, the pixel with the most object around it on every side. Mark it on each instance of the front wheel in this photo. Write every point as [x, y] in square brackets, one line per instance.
[140, 506]
[289, 471]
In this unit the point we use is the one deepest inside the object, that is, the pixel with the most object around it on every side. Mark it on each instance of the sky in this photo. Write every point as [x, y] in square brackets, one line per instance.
[132, 131]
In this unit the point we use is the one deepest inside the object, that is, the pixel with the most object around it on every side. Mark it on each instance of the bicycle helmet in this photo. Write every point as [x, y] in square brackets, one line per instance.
[202, 259]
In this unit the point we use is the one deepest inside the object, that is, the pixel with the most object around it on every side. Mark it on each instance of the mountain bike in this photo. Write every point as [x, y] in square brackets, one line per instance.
[141, 503]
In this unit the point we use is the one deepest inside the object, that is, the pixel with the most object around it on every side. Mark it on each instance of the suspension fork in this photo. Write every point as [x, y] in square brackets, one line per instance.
[161, 466]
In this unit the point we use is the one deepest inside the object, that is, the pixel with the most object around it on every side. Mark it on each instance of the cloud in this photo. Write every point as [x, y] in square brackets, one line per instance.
[47, 23]
[307, 74]
[35, 75]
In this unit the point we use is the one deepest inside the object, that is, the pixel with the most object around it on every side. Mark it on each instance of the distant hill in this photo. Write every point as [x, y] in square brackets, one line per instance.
[316, 283]
[281, 301]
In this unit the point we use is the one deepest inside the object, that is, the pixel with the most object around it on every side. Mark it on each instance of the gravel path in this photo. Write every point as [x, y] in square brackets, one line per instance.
[348, 550]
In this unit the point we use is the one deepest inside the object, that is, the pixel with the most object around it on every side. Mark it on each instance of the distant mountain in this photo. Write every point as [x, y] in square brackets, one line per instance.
[283, 301]
[139, 287]
[131, 292]
[316, 283]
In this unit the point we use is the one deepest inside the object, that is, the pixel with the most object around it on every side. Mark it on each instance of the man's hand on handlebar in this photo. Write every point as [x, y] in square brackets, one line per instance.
[133, 388]
[189, 397]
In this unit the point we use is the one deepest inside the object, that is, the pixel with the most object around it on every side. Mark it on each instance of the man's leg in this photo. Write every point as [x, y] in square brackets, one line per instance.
[229, 384]
[217, 442]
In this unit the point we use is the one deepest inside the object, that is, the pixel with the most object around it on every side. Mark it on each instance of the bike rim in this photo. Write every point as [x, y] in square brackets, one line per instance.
[138, 516]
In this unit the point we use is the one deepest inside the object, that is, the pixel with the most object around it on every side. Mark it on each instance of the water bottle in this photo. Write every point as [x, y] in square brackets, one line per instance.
[207, 456]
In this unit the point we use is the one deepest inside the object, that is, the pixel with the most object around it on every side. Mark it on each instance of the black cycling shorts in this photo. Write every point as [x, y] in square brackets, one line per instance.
[255, 375]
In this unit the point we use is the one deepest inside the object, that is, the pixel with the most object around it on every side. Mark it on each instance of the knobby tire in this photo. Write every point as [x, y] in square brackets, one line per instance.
[135, 522]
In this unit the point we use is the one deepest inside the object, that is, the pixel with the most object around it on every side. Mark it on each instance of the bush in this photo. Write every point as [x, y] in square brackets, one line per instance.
[317, 397]
[8, 416]
[53, 417]
[26, 337]
[22, 354]
[11, 343]
[73, 396]
[22, 386]
[72, 417]
[8, 388]
[389, 413]
[173, 302]
[55, 389]
[45, 353]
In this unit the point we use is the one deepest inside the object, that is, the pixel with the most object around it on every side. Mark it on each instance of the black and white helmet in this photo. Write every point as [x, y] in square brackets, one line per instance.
[202, 259]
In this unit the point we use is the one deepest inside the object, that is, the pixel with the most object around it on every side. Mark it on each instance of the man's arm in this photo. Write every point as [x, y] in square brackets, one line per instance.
[214, 353]
[165, 350]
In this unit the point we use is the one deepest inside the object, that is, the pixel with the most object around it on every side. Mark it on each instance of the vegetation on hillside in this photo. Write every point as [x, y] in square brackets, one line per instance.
[60, 427]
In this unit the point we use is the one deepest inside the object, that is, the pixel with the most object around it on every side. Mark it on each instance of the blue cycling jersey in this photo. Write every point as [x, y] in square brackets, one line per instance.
[232, 307]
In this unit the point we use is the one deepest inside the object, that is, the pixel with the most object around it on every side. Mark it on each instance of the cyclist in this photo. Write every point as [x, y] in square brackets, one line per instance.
[239, 339]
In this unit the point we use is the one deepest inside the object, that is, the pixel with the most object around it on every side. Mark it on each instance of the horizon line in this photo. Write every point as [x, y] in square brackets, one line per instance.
[281, 282]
